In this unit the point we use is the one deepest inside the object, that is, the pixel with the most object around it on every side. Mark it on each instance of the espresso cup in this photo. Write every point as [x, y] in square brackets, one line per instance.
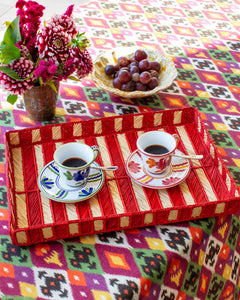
[156, 148]
[73, 161]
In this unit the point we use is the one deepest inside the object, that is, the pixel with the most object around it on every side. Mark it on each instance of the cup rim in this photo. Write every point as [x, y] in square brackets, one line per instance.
[73, 168]
[156, 155]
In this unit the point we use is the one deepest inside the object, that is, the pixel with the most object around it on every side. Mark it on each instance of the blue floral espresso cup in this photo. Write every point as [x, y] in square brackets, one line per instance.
[73, 161]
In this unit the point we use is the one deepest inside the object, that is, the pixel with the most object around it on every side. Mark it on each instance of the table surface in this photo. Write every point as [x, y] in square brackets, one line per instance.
[188, 260]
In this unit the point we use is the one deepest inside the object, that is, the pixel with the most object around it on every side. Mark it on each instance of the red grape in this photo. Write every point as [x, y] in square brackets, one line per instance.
[145, 77]
[155, 65]
[140, 55]
[124, 76]
[153, 83]
[109, 69]
[135, 77]
[133, 64]
[123, 61]
[116, 83]
[144, 65]
[127, 87]
[134, 69]
[140, 87]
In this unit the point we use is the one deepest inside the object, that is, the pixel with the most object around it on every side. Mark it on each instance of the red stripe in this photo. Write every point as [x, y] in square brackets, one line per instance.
[31, 187]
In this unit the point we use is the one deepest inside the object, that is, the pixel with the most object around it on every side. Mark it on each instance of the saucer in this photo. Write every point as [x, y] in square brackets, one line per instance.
[175, 174]
[50, 185]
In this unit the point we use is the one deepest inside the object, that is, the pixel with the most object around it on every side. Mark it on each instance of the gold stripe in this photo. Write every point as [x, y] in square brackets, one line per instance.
[177, 117]
[14, 138]
[196, 163]
[148, 218]
[140, 197]
[173, 214]
[117, 201]
[186, 193]
[187, 144]
[138, 121]
[73, 228]
[77, 129]
[220, 208]
[98, 127]
[56, 133]
[122, 141]
[105, 155]
[21, 209]
[95, 207]
[158, 119]
[18, 170]
[47, 232]
[196, 212]
[36, 135]
[124, 221]
[71, 211]
[47, 214]
[118, 124]
[98, 225]
[228, 182]
[206, 185]
[164, 198]
[45, 202]
[21, 237]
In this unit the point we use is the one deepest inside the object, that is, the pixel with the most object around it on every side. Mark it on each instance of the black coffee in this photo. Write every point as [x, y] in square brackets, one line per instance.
[74, 162]
[156, 149]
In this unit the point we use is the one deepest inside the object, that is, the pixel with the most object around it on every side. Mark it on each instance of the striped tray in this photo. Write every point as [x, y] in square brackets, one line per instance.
[209, 189]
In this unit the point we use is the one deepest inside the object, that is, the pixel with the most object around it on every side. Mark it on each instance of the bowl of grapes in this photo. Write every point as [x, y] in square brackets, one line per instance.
[133, 72]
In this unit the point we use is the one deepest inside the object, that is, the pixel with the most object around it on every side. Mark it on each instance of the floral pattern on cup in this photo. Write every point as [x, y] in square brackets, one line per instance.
[157, 163]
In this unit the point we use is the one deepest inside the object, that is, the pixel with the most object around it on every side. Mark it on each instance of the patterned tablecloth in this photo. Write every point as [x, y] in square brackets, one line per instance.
[191, 260]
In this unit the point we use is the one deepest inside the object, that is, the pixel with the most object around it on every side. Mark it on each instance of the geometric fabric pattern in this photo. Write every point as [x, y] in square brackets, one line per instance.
[190, 260]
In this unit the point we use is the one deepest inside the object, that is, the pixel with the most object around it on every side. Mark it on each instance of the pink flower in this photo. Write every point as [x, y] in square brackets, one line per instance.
[30, 13]
[23, 67]
[170, 181]
[66, 23]
[134, 167]
[45, 70]
[83, 62]
[52, 43]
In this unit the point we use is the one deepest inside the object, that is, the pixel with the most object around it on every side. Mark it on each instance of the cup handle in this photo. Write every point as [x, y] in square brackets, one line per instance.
[176, 138]
[96, 151]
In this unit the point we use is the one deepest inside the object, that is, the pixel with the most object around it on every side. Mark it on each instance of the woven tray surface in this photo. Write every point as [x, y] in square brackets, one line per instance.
[209, 189]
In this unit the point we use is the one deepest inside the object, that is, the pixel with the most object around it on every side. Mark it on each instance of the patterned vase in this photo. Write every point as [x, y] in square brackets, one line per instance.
[40, 102]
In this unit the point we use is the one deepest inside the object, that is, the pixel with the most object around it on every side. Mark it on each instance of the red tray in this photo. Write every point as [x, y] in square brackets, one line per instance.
[209, 190]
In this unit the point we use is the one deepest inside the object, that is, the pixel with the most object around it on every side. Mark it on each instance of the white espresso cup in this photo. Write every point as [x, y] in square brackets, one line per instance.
[156, 148]
[73, 161]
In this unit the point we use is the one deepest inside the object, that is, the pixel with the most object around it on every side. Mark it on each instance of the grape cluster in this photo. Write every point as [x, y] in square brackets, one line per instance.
[135, 74]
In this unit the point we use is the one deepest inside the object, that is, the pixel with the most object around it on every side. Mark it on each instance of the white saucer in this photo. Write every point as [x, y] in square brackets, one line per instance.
[51, 186]
[175, 174]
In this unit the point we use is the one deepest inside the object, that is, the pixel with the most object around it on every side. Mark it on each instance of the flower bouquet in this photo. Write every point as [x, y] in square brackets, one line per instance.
[33, 53]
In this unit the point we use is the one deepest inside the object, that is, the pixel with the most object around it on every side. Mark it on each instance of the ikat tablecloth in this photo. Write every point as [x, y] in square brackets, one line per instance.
[189, 260]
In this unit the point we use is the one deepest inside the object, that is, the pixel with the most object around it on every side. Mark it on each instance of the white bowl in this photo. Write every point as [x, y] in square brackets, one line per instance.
[167, 73]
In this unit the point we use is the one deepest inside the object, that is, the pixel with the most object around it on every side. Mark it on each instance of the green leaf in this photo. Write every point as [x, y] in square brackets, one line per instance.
[10, 72]
[12, 98]
[9, 53]
[68, 175]
[12, 34]
[73, 78]
[52, 85]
